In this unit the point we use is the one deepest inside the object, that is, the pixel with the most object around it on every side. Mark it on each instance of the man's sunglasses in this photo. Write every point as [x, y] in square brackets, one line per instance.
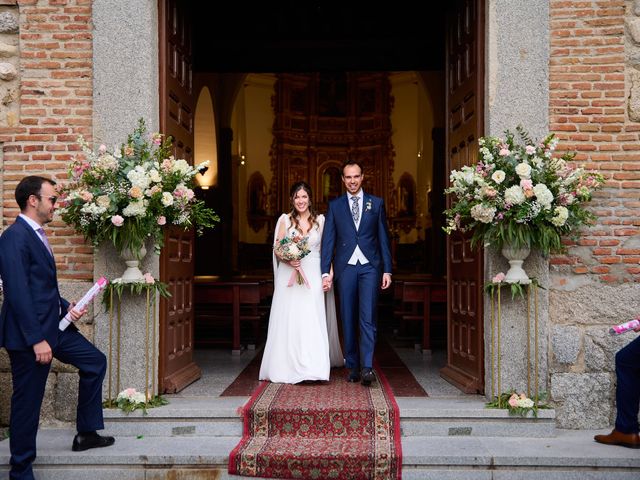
[53, 199]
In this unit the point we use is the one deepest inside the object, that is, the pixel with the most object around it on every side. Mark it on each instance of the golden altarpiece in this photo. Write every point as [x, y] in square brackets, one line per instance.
[323, 119]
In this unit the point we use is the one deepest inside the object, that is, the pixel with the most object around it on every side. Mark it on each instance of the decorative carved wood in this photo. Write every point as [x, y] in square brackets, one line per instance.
[465, 358]
[176, 366]
[322, 119]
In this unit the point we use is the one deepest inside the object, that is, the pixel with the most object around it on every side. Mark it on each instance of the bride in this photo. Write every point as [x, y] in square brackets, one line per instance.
[302, 340]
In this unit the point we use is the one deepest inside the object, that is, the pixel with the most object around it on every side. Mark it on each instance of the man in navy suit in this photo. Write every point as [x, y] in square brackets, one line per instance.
[31, 311]
[356, 239]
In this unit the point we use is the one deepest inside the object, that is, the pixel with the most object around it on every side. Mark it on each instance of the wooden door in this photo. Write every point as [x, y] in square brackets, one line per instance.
[177, 103]
[464, 63]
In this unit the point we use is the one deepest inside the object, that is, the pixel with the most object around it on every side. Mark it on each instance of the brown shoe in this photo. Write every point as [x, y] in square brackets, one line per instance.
[629, 440]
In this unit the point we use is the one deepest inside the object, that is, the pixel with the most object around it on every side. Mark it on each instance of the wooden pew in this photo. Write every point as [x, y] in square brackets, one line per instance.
[242, 296]
[424, 293]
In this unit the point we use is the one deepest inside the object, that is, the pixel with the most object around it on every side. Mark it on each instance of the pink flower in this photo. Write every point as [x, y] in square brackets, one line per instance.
[117, 220]
[513, 400]
[148, 278]
[130, 392]
[103, 149]
[526, 184]
[499, 278]
[530, 149]
[86, 195]
[162, 220]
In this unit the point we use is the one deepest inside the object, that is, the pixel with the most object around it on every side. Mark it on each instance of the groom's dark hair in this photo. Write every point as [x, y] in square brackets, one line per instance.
[28, 186]
[348, 163]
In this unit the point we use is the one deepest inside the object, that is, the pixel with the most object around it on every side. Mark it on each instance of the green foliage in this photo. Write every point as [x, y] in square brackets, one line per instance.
[517, 289]
[116, 289]
[518, 194]
[522, 407]
[129, 406]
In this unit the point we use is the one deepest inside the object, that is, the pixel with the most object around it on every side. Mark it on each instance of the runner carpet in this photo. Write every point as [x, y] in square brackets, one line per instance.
[320, 430]
[402, 381]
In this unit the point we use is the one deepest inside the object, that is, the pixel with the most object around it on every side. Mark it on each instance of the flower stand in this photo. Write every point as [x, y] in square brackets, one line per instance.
[496, 335]
[118, 330]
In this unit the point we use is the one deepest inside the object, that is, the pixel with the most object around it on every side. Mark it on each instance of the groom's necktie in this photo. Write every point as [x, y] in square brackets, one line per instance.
[355, 210]
[43, 237]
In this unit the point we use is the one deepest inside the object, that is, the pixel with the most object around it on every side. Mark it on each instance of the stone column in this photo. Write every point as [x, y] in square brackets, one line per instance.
[517, 93]
[126, 86]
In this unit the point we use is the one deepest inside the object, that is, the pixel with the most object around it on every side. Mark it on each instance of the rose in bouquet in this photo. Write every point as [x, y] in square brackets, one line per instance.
[130, 399]
[127, 196]
[519, 403]
[294, 247]
[520, 194]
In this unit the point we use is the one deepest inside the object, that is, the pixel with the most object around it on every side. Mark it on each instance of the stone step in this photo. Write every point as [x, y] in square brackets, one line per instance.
[570, 455]
[219, 416]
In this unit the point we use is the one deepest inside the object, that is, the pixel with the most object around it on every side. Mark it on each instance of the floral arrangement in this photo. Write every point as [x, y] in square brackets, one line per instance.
[294, 247]
[519, 194]
[517, 404]
[127, 196]
[130, 399]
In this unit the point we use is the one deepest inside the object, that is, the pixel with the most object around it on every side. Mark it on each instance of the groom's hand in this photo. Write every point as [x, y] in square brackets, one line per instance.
[386, 280]
[326, 283]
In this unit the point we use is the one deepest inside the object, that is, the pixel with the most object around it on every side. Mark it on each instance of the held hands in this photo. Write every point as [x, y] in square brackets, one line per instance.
[327, 282]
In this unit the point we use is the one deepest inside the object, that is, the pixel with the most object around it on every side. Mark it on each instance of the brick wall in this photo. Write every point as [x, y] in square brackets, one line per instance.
[588, 111]
[56, 101]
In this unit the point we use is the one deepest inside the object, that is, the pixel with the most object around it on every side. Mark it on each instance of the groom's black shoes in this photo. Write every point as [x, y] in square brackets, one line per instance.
[367, 376]
[354, 375]
[87, 440]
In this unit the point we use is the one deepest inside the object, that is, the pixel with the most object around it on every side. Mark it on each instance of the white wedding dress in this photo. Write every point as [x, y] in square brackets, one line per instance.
[302, 340]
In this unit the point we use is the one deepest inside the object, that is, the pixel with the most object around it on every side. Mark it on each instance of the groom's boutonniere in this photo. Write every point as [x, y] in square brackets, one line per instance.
[367, 207]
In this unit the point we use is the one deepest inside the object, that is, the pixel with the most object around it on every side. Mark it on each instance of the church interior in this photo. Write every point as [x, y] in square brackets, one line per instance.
[300, 87]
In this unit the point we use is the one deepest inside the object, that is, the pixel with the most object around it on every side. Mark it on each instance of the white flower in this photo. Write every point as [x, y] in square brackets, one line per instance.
[181, 166]
[543, 195]
[135, 209]
[154, 175]
[561, 216]
[498, 176]
[139, 177]
[482, 213]
[167, 199]
[523, 170]
[514, 195]
[103, 201]
[92, 209]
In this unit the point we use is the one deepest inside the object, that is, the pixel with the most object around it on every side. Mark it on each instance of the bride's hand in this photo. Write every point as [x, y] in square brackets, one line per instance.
[294, 263]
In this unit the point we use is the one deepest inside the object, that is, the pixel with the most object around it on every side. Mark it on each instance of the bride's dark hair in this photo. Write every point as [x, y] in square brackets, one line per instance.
[293, 215]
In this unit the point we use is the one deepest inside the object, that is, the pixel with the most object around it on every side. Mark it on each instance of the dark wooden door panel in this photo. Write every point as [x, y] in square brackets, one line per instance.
[176, 366]
[464, 43]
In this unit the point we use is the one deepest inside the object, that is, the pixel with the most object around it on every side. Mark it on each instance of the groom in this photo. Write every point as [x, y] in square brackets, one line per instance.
[356, 239]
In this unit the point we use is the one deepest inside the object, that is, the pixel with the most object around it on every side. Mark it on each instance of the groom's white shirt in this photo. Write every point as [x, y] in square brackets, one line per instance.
[357, 255]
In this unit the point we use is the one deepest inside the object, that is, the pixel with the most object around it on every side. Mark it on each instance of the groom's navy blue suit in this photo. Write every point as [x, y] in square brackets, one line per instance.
[31, 310]
[358, 285]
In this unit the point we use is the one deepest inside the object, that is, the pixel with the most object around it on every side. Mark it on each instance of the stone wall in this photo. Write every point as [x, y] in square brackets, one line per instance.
[595, 109]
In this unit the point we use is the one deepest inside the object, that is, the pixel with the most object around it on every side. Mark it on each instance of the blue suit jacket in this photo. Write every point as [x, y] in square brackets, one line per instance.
[32, 304]
[340, 235]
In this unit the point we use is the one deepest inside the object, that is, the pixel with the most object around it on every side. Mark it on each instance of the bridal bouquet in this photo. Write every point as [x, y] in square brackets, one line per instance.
[294, 247]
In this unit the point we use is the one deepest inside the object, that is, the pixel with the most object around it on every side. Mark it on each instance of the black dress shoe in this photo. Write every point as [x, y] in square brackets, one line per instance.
[367, 376]
[354, 375]
[85, 441]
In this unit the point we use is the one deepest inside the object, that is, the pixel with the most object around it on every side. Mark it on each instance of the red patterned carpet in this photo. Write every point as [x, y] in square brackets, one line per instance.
[321, 430]
[402, 381]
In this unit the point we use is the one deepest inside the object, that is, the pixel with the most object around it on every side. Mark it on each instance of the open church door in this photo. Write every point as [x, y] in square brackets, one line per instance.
[177, 103]
[464, 110]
